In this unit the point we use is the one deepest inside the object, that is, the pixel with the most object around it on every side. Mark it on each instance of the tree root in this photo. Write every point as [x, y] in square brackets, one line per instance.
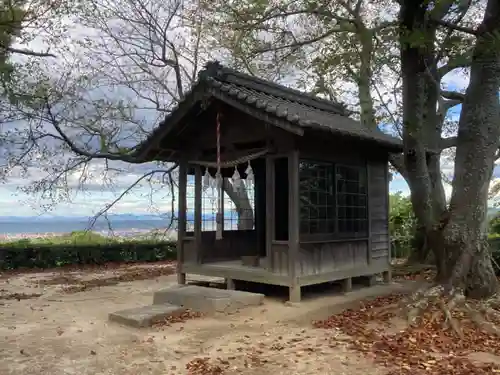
[435, 303]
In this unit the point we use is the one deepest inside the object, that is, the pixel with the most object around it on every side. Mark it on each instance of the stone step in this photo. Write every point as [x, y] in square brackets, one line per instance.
[207, 300]
[145, 316]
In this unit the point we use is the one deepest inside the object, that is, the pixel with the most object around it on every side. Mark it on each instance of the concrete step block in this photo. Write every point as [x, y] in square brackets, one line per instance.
[146, 316]
[207, 300]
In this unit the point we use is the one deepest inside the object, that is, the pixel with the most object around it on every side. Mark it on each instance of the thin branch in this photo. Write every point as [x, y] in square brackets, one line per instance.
[384, 104]
[306, 42]
[126, 191]
[98, 155]
[26, 52]
[319, 11]
[455, 27]
[384, 25]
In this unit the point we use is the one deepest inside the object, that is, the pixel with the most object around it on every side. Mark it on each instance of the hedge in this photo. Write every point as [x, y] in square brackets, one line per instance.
[48, 255]
[26, 254]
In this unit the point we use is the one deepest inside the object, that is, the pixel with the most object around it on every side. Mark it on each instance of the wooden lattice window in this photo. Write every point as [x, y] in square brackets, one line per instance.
[352, 202]
[317, 197]
[333, 199]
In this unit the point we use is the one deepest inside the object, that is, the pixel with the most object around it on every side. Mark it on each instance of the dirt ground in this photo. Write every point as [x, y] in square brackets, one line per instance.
[48, 330]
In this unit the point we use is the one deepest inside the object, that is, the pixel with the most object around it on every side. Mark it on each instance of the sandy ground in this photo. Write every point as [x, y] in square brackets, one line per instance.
[58, 333]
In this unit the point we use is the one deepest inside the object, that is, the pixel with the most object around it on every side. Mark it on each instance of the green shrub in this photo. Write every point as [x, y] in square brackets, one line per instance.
[494, 226]
[402, 225]
[81, 248]
[494, 242]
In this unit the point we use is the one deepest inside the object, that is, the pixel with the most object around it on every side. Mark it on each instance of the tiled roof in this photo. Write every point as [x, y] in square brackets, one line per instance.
[292, 106]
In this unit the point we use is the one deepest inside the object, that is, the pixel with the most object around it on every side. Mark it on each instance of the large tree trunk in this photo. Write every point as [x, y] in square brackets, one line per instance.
[242, 204]
[422, 127]
[365, 77]
[466, 259]
[415, 98]
[422, 251]
[421, 243]
[457, 238]
[431, 134]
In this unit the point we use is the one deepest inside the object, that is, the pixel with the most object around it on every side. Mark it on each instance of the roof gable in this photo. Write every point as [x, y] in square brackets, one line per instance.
[214, 70]
[287, 108]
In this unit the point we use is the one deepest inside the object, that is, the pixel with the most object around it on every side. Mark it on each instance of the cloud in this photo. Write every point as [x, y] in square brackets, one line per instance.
[91, 189]
[456, 80]
[139, 201]
[101, 185]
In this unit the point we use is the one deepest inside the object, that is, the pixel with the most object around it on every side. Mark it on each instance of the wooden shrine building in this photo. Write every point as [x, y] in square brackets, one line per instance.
[312, 207]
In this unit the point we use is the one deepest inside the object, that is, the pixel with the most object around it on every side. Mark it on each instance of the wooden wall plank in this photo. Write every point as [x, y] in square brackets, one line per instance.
[318, 258]
[379, 209]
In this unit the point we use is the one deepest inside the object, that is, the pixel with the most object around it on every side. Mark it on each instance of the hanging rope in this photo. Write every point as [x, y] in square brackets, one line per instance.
[218, 142]
[218, 177]
[217, 183]
[230, 163]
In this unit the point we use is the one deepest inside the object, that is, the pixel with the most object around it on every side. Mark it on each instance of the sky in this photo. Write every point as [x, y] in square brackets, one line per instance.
[145, 198]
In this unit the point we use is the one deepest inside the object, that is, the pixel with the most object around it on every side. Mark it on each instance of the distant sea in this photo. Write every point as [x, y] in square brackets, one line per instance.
[121, 225]
[32, 227]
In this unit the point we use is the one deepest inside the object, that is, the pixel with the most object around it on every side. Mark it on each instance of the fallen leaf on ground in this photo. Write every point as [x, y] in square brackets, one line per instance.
[425, 348]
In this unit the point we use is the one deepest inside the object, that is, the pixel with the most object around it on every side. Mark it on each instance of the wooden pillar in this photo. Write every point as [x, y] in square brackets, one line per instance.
[387, 192]
[181, 227]
[293, 224]
[198, 214]
[269, 192]
[347, 285]
[260, 210]
[387, 275]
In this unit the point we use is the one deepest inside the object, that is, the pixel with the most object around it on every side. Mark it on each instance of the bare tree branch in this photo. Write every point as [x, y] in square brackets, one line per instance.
[126, 191]
[453, 95]
[448, 142]
[79, 151]
[455, 27]
[25, 52]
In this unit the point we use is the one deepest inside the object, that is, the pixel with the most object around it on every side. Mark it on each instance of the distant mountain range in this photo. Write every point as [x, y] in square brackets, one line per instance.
[492, 211]
[113, 217]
